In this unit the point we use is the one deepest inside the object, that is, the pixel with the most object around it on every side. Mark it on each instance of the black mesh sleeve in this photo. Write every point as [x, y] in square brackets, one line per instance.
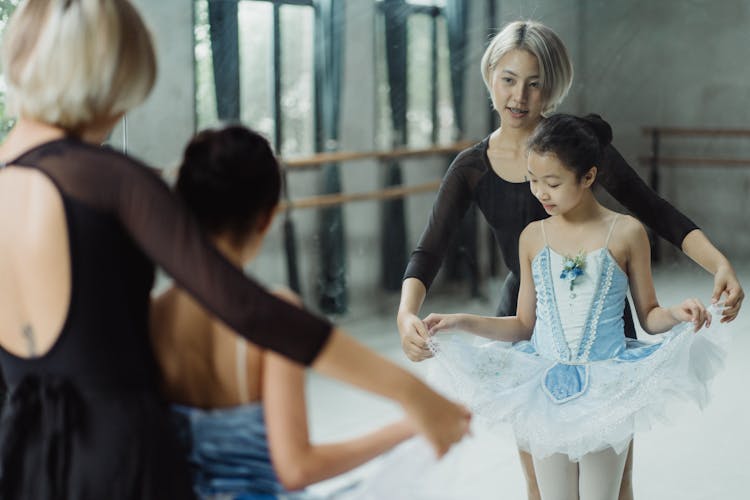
[166, 232]
[452, 202]
[627, 187]
[169, 235]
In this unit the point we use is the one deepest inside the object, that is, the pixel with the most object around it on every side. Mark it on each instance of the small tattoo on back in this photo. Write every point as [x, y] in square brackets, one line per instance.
[28, 332]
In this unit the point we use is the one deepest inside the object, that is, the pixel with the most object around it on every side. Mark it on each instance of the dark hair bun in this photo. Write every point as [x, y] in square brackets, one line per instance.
[600, 127]
[228, 178]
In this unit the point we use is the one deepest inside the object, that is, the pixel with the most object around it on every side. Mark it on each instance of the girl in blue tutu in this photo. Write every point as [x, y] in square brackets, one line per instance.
[573, 387]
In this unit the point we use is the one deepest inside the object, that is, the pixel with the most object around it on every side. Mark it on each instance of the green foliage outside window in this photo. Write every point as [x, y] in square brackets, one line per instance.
[6, 9]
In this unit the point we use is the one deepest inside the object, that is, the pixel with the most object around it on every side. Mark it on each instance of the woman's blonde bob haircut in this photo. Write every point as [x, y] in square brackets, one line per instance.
[76, 63]
[555, 68]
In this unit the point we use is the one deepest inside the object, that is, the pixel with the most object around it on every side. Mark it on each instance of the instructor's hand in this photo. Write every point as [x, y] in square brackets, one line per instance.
[728, 288]
[414, 336]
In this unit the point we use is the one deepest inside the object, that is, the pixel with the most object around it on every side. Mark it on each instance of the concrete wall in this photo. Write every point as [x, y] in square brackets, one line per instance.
[159, 128]
[637, 63]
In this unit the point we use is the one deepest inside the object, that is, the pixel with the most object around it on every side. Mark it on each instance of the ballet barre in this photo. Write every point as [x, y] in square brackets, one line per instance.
[656, 160]
[329, 200]
[319, 159]
[291, 165]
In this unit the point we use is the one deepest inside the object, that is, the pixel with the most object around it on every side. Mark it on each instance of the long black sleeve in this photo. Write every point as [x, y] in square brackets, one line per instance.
[452, 202]
[164, 230]
[627, 187]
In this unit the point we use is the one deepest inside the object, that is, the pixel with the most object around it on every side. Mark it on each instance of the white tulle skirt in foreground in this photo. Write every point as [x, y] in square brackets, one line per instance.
[504, 384]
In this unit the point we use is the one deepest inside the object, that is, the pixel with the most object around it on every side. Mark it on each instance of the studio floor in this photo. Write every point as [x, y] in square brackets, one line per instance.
[700, 456]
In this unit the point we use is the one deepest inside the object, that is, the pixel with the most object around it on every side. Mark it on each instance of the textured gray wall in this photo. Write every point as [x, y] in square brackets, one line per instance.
[159, 128]
[677, 63]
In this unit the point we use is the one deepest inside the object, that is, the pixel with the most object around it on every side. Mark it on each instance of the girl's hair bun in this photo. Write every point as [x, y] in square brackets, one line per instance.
[579, 142]
[601, 128]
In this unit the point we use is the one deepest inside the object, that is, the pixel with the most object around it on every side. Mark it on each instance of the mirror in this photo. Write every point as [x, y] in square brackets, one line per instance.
[640, 64]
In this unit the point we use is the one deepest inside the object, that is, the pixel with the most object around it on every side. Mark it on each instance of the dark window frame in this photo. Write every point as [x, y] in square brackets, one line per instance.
[434, 12]
[276, 59]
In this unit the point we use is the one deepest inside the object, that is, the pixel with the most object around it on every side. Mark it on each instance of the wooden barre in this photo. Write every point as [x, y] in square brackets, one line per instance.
[329, 200]
[337, 157]
[684, 132]
[676, 161]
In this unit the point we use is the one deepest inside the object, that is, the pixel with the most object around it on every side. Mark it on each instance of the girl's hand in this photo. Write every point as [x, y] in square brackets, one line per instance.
[437, 322]
[726, 282]
[691, 310]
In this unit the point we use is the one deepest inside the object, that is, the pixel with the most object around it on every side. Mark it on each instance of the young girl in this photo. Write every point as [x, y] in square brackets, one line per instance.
[573, 386]
[241, 408]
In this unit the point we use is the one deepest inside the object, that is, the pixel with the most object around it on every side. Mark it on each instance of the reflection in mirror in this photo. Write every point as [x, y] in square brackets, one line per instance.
[636, 63]
[429, 104]
[258, 31]
[428, 80]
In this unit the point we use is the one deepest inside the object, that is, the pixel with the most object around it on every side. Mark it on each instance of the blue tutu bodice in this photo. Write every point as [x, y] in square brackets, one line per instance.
[602, 337]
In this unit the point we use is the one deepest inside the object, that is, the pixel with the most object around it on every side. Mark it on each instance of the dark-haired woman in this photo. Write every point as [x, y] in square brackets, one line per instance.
[527, 72]
[572, 386]
[241, 408]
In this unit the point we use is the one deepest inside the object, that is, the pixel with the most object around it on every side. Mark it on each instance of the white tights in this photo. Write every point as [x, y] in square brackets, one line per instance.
[596, 477]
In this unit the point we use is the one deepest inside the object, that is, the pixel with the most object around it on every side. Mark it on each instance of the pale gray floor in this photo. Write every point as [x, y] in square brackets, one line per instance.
[699, 457]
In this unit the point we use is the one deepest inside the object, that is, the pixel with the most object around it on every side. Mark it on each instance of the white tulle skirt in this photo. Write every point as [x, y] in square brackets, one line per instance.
[501, 384]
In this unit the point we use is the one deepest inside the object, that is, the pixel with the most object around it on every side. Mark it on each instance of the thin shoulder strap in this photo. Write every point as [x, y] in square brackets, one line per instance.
[544, 233]
[241, 350]
[611, 228]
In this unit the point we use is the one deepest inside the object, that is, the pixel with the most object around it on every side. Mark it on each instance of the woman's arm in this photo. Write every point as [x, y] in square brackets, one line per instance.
[452, 202]
[442, 422]
[412, 330]
[698, 247]
[653, 317]
[453, 199]
[627, 187]
[510, 328]
[297, 462]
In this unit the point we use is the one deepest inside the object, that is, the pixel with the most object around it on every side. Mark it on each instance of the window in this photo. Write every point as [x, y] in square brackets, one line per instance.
[264, 28]
[429, 113]
[6, 9]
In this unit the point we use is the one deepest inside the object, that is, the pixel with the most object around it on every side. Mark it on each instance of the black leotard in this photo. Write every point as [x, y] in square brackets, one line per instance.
[85, 420]
[509, 207]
